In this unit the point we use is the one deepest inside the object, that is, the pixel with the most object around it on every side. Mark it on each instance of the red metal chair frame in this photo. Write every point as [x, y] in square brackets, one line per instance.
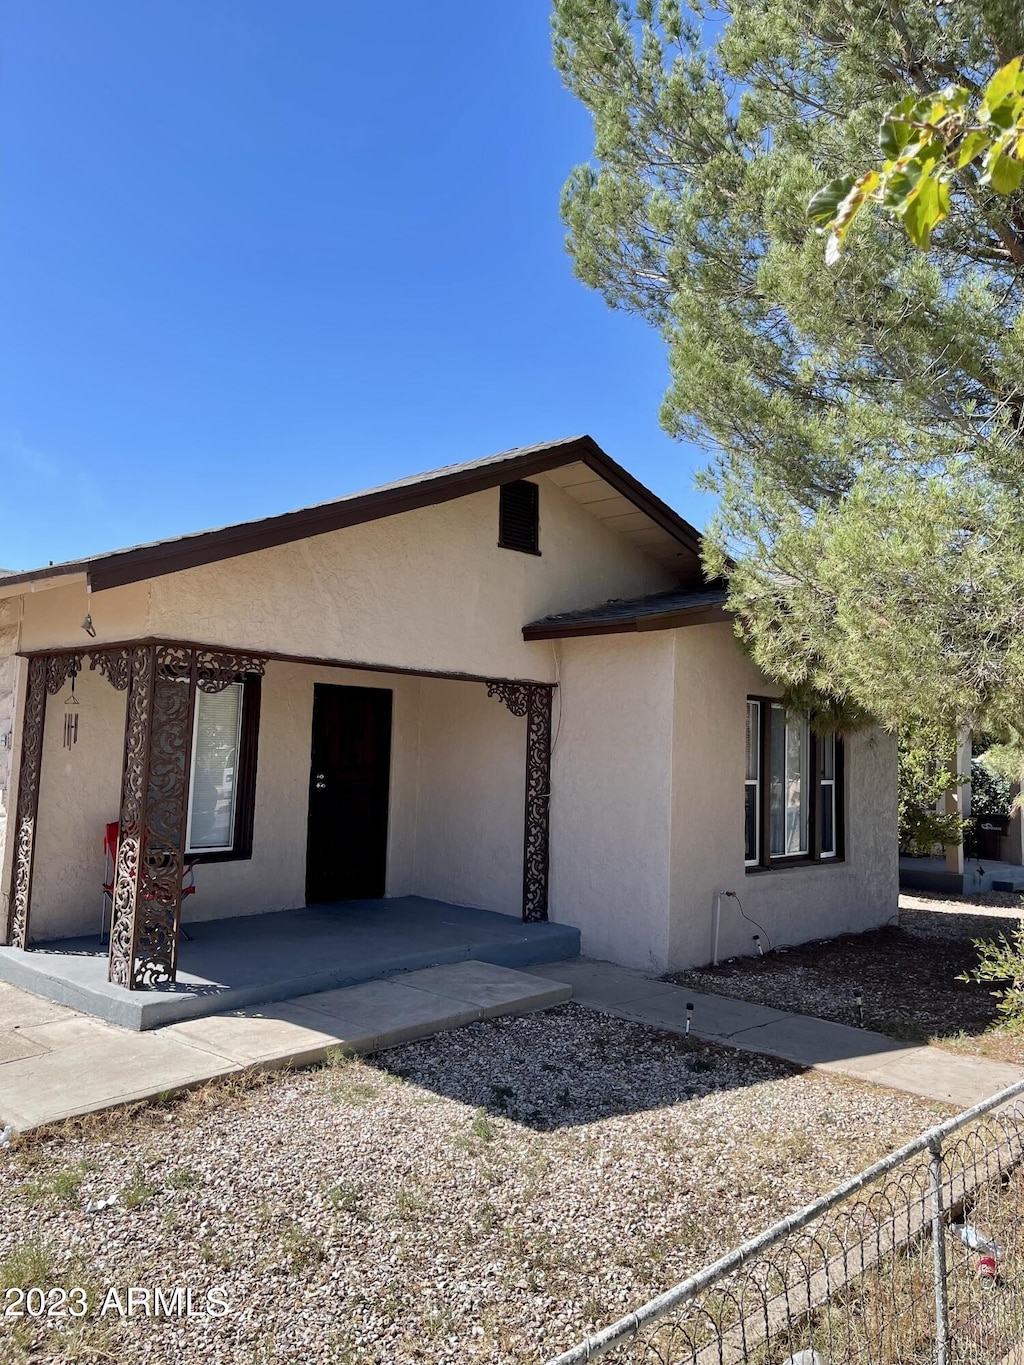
[110, 841]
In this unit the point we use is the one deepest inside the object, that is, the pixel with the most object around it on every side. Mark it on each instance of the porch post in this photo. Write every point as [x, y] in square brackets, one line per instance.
[533, 700]
[957, 800]
[538, 802]
[34, 717]
[154, 801]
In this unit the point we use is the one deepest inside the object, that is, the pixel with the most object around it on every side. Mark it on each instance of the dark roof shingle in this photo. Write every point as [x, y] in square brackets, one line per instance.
[657, 611]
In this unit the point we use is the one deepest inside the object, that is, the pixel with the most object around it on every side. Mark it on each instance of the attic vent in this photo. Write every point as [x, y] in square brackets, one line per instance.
[518, 520]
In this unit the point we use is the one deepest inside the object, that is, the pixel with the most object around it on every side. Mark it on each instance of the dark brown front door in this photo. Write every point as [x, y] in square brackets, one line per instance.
[346, 848]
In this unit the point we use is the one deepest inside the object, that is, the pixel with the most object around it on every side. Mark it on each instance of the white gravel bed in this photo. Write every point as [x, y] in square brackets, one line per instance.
[488, 1195]
[945, 916]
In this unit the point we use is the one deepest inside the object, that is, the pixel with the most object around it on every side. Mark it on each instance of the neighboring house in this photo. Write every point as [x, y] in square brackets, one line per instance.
[503, 684]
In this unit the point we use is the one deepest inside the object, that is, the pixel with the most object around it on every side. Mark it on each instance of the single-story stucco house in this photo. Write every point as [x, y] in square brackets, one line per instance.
[504, 684]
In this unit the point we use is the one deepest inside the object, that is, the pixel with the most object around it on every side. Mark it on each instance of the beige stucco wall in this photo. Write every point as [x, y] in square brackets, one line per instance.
[456, 807]
[647, 808]
[427, 589]
[611, 795]
[79, 791]
[470, 794]
[712, 681]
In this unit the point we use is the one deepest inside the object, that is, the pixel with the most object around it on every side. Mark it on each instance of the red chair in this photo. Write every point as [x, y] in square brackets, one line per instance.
[110, 839]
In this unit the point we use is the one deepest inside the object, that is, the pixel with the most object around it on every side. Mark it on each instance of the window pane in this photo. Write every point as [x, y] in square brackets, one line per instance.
[750, 853]
[778, 781]
[827, 748]
[753, 741]
[828, 819]
[214, 765]
[797, 754]
[790, 749]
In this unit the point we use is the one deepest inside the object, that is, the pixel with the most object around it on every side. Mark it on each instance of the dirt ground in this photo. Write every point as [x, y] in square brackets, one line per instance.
[488, 1195]
[909, 974]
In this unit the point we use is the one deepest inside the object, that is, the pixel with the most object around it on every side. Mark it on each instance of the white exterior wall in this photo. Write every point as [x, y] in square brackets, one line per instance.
[712, 681]
[611, 796]
[455, 826]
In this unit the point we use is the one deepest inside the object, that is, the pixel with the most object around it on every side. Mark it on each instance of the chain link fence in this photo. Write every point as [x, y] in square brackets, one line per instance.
[918, 1260]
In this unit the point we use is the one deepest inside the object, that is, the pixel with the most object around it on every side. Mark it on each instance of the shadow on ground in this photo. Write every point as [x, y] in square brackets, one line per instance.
[571, 1066]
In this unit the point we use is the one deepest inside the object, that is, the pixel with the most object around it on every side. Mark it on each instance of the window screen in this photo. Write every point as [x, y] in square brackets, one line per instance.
[790, 746]
[215, 755]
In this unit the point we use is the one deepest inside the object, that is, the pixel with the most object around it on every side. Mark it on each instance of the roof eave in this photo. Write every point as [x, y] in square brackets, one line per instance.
[669, 620]
[122, 567]
[17, 584]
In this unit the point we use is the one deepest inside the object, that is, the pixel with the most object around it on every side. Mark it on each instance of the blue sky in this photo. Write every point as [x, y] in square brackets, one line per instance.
[257, 255]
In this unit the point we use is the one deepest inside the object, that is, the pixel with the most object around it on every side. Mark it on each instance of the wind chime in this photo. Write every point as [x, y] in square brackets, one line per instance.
[71, 711]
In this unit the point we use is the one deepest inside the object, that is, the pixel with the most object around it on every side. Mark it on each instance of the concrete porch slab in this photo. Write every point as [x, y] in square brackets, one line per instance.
[979, 874]
[84, 1064]
[259, 959]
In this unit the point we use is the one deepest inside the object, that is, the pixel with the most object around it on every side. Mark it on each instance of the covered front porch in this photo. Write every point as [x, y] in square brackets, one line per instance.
[397, 806]
[257, 959]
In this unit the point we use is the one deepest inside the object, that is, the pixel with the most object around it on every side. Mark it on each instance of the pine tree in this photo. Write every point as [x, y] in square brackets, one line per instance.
[865, 419]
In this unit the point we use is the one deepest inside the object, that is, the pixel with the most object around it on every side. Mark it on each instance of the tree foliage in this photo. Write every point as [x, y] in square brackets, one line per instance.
[1001, 963]
[991, 798]
[929, 144]
[925, 776]
[864, 420]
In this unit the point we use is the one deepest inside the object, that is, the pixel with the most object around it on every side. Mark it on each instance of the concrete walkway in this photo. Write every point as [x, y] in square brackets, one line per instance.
[55, 1063]
[929, 1071]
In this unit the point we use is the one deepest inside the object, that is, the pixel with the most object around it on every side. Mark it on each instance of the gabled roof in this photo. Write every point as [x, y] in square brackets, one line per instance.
[656, 611]
[584, 471]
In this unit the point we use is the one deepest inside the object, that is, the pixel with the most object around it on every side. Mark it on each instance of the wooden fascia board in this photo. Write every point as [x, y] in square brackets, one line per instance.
[149, 561]
[132, 565]
[694, 616]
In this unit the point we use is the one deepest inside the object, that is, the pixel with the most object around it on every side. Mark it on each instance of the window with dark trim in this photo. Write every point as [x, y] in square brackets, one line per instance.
[519, 517]
[222, 783]
[793, 784]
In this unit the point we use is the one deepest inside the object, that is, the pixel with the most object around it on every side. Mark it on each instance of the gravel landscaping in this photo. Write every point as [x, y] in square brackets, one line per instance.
[908, 973]
[490, 1194]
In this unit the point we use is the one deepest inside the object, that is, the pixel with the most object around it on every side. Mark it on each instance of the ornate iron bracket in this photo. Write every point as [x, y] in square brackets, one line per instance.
[113, 664]
[514, 695]
[216, 670]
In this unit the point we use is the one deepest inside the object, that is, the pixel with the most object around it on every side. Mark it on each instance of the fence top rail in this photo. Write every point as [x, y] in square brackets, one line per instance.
[595, 1346]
